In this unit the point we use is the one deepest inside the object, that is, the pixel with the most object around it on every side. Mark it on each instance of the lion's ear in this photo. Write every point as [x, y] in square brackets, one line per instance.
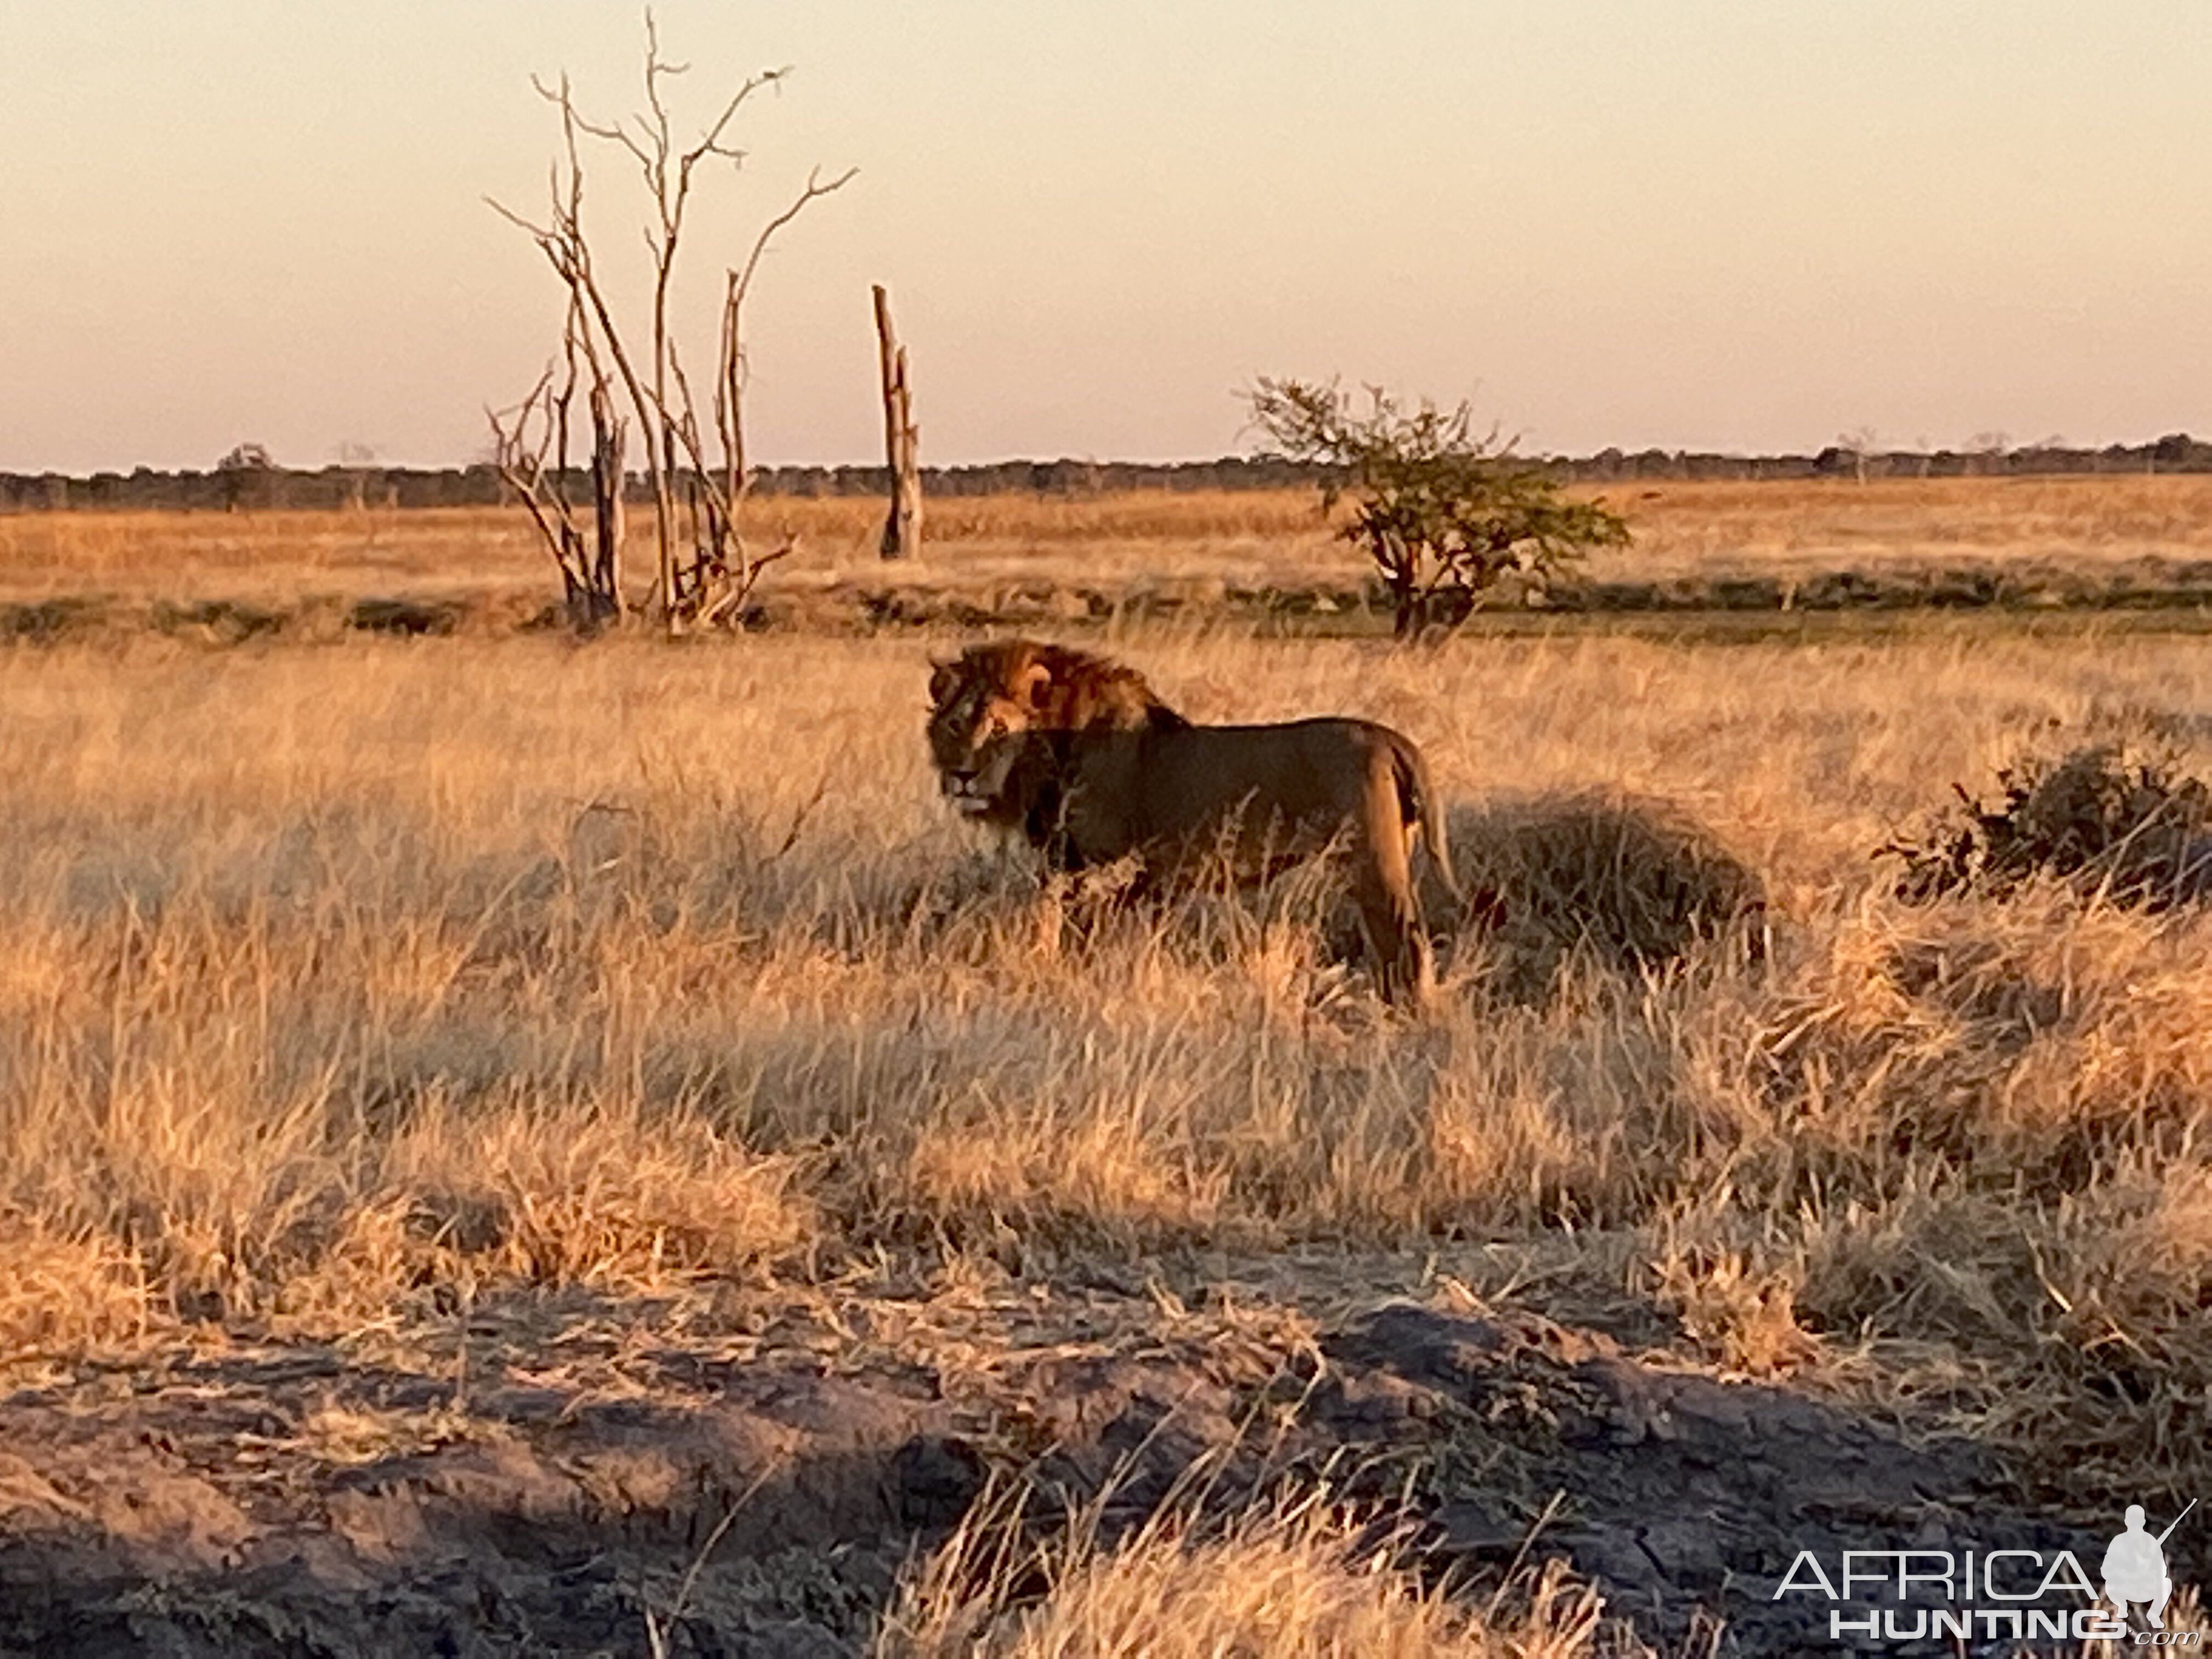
[1034, 686]
[942, 679]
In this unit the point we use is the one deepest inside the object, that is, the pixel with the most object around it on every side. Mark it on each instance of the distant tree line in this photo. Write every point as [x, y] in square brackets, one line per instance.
[2176, 451]
[246, 480]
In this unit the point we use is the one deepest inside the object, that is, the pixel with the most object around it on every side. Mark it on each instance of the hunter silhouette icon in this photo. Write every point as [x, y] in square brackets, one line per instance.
[2135, 1567]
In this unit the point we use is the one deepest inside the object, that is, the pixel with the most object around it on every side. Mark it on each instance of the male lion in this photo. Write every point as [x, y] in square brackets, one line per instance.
[1077, 754]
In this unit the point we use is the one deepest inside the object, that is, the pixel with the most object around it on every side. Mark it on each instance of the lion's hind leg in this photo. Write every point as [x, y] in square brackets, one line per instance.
[1397, 946]
[1390, 910]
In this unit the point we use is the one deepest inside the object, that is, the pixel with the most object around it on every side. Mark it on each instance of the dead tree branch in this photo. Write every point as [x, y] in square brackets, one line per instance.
[703, 572]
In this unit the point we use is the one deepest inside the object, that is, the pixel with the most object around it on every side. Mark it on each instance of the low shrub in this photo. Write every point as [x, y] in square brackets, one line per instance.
[2131, 826]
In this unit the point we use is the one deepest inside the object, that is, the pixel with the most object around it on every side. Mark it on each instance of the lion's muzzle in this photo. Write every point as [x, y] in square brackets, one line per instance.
[966, 791]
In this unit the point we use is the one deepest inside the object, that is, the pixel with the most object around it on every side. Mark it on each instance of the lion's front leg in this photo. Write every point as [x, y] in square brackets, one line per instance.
[1072, 905]
[1048, 916]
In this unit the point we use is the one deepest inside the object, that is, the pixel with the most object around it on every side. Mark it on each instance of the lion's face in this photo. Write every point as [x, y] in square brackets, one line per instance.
[979, 723]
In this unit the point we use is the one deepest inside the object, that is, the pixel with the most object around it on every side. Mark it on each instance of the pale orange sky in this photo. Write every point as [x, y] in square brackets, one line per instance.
[1696, 224]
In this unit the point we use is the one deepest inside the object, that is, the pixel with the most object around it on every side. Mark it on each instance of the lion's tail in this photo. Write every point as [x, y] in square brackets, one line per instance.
[1419, 799]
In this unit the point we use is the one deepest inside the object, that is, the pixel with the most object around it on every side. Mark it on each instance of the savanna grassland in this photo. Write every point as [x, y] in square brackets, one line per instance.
[537, 1146]
[2143, 535]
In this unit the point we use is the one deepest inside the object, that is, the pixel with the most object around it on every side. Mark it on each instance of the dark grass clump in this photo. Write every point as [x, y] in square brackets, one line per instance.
[2128, 826]
[1633, 886]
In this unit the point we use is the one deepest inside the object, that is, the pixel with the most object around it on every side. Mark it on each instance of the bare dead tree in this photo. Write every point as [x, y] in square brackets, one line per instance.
[357, 467]
[902, 538]
[704, 571]
[531, 449]
[1863, 444]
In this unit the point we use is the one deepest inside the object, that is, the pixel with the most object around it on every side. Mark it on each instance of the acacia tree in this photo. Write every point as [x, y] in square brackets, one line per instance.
[248, 475]
[704, 568]
[1444, 511]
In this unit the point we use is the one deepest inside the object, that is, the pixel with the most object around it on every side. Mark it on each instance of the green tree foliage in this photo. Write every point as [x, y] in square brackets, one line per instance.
[1442, 511]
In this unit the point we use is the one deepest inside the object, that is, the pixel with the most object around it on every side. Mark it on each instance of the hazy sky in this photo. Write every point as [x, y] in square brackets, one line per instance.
[1701, 223]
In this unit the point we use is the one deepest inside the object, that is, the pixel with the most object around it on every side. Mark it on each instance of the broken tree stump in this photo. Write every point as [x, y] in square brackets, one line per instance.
[902, 538]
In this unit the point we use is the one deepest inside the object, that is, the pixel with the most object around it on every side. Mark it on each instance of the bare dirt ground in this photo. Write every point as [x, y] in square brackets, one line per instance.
[574, 1482]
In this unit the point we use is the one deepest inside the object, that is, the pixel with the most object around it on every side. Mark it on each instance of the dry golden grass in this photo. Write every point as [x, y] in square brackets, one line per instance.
[1291, 1580]
[1838, 524]
[1782, 529]
[285, 557]
[342, 982]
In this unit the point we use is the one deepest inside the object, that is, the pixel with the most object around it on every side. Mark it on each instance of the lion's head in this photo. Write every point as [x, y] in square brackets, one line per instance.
[991, 706]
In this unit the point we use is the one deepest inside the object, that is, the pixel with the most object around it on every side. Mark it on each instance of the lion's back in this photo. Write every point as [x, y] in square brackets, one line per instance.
[1311, 778]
